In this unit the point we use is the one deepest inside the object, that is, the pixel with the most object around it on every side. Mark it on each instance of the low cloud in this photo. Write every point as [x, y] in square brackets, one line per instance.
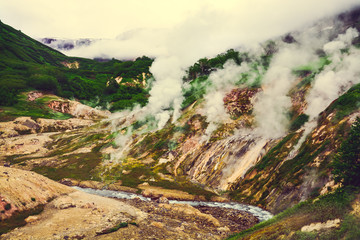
[273, 103]
[206, 29]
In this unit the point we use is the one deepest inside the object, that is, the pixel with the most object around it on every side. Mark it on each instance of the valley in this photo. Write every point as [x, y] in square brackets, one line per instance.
[276, 127]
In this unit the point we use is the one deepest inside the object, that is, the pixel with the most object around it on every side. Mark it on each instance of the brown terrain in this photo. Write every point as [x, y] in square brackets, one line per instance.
[70, 214]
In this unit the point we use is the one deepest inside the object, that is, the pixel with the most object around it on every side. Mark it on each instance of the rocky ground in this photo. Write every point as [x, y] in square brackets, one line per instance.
[35, 207]
[71, 214]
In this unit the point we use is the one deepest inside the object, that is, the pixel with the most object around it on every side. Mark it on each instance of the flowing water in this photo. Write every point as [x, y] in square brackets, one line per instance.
[261, 214]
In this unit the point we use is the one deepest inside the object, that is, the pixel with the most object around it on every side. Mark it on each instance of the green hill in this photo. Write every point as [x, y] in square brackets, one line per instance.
[27, 64]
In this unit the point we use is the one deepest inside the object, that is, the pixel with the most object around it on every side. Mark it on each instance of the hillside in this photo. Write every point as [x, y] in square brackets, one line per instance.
[276, 126]
[27, 64]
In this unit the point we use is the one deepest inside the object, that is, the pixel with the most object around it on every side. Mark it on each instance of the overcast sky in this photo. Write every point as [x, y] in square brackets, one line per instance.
[100, 19]
[164, 27]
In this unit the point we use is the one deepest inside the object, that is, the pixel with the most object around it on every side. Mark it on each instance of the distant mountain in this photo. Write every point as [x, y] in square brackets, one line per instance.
[66, 44]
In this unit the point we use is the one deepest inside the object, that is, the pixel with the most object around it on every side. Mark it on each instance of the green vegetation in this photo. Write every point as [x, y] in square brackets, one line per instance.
[35, 109]
[204, 66]
[346, 103]
[8, 96]
[195, 91]
[7, 206]
[346, 165]
[198, 73]
[273, 154]
[113, 229]
[298, 122]
[26, 64]
[78, 166]
[309, 72]
[327, 207]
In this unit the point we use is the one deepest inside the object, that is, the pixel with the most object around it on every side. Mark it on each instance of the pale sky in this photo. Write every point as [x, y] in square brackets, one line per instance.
[99, 19]
[109, 18]
[156, 28]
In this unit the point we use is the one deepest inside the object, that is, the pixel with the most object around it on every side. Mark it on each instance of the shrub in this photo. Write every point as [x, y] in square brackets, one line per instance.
[346, 165]
[7, 206]
[298, 122]
[7, 97]
[44, 82]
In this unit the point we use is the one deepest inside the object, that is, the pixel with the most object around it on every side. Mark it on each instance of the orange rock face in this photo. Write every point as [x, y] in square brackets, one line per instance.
[59, 106]
[239, 101]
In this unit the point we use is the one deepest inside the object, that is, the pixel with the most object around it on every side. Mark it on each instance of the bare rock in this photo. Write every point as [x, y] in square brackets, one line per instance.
[157, 192]
[63, 203]
[25, 190]
[163, 199]
[319, 226]
[69, 182]
[219, 199]
[157, 224]
[185, 209]
[77, 109]
[239, 101]
[32, 96]
[118, 187]
[31, 219]
[91, 184]
[223, 229]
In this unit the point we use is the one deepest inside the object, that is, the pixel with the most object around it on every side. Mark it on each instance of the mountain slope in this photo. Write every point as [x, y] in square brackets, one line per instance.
[27, 65]
[17, 46]
[261, 127]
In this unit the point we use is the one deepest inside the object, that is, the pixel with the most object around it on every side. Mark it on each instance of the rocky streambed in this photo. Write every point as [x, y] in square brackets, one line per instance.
[259, 213]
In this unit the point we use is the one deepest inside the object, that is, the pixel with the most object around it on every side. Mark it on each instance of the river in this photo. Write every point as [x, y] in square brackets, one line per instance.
[260, 213]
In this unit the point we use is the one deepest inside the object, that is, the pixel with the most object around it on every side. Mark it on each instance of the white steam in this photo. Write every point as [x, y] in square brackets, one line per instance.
[208, 31]
[333, 81]
[222, 81]
[337, 77]
[273, 103]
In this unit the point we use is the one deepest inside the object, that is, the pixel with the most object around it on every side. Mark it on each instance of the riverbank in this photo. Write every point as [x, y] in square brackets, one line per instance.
[74, 214]
[260, 214]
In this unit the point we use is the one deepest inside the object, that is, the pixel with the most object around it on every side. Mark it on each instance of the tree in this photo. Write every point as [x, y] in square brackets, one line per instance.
[346, 165]
[8, 97]
[44, 82]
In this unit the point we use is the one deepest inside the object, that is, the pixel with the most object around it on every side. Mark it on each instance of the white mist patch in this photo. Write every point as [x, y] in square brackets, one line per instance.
[222, 81]
[333, 81]
[337, 77]
[123, 139]
[122, 142]
[273, 103]
[211, 28]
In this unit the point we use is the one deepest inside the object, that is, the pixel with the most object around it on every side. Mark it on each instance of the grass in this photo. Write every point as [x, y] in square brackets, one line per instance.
[298, 122]
[34, 109]
[327, 207]
[272, 155]
[346, 103]
[78, 166]
[115, 228]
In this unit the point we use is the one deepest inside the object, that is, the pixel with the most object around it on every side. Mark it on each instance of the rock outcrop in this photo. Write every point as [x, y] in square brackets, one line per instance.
[26, 125]
[239, 101]
[77, 109]
[67, 212]
[25, 190]
[32, 96]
